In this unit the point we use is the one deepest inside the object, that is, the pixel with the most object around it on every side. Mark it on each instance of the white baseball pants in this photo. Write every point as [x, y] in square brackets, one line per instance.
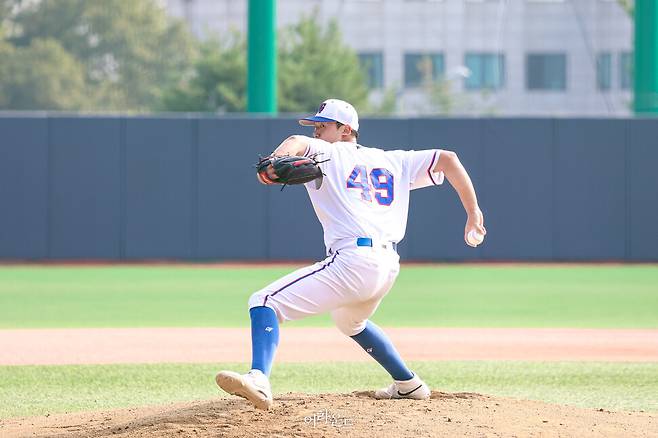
[350, 284]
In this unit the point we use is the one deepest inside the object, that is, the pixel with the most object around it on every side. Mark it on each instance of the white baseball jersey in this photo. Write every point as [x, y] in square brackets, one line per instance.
[365, 191]
[365, 194]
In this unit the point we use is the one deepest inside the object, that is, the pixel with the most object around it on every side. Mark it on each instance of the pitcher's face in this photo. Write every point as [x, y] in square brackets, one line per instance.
[329, 131]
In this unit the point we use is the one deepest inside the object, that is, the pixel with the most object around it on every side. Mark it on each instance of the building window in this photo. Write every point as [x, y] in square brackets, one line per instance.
[487, 71]
[546, 71]
[422, 67]
[626, 70]
[373, 64]
[604, 71]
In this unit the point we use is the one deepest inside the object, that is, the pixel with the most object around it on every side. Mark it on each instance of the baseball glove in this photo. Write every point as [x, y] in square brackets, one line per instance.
[289, 170]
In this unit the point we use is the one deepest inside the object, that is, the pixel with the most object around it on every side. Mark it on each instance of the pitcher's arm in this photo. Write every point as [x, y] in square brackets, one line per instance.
[458, 177]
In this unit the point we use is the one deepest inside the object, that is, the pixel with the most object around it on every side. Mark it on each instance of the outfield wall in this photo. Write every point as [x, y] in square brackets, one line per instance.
[183, 188]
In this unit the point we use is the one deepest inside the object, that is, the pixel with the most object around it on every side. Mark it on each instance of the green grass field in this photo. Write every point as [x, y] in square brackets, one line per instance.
[441, 296]
[37, 390]
[424, 296]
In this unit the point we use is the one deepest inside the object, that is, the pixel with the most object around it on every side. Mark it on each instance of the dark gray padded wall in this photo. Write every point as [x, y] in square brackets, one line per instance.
[163, 188]
[291, 215]
[159, 188]
[590, 192]
[642, 162]
[86, 188]
[436, 217]
[24, 170]
[517, 189]
[388, 134]
[232, 206]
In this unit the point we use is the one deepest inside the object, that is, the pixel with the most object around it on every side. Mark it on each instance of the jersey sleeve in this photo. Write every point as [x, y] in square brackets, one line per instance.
[319, 147]
[322, 151]
[420, 165]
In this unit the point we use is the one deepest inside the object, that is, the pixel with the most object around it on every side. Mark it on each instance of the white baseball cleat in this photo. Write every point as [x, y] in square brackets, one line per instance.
[254, 386]
[413, 388]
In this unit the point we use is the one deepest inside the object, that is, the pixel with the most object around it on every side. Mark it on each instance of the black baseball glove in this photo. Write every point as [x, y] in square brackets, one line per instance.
[288, 170]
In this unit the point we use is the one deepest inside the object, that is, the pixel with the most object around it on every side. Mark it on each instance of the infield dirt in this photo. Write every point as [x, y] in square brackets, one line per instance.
[347, 415]
[333, 415]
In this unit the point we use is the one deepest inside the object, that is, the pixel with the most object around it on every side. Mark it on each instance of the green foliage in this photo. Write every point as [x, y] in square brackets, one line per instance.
[218, 81]
[5, 12]
[628, 5]
[386, 105]
[6, 52]
[42, 75]
[126, 51]
[314, 64]
[441, 99]
[129, 55]
[440, 95]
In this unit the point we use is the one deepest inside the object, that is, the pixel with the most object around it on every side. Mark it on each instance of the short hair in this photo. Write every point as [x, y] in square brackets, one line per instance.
[354, 131]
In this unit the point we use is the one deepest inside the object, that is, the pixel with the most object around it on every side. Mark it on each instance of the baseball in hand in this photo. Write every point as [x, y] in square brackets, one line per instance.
[474, 238]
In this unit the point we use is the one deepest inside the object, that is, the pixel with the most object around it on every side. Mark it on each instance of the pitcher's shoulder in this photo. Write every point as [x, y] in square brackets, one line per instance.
[369, 150]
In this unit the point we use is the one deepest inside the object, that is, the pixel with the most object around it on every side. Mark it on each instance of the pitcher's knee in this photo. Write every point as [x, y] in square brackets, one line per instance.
[347, 325]
[260, 299]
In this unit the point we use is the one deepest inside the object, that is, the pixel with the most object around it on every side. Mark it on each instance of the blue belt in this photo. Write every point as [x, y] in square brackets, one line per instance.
[367, 241]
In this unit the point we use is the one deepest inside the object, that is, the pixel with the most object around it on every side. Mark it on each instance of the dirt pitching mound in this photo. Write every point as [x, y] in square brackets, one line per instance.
[343, 415]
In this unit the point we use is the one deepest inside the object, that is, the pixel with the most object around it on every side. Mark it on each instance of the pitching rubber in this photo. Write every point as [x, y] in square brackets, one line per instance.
[236, 384]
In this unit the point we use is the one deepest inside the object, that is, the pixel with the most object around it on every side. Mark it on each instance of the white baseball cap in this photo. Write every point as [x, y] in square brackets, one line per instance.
[334, 110]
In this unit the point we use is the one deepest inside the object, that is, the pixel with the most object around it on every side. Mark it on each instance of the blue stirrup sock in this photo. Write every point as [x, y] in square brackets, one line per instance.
[379, 346]
[264, 338]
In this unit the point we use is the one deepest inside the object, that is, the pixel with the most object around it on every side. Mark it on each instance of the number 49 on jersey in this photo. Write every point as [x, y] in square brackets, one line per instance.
[379, 180]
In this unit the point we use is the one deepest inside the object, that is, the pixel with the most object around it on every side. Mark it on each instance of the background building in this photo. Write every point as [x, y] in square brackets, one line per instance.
[498, 57]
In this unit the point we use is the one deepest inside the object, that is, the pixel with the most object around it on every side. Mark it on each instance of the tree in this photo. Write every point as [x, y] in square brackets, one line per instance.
[314, 64]
[386, 105]
[441, 97]
[42, 75]
[436, 88]
[218, 81]
[130, 50]
[5, 54]
[628, 5]
[5, 10]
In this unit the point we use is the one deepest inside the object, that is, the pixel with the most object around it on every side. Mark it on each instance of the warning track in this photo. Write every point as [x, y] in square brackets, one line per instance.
[205, 345]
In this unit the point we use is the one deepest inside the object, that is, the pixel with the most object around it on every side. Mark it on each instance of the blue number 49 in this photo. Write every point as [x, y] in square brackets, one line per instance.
[380, 180]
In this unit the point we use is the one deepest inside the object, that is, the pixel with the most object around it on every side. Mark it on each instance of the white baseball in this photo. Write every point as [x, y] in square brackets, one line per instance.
[474, 238]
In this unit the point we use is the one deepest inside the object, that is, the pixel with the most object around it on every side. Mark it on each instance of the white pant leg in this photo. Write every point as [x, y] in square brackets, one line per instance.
[348, 277]
[351, 319]
[305, 292]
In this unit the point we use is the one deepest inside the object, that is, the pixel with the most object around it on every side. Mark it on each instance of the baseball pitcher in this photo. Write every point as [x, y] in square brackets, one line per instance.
[361, 197]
